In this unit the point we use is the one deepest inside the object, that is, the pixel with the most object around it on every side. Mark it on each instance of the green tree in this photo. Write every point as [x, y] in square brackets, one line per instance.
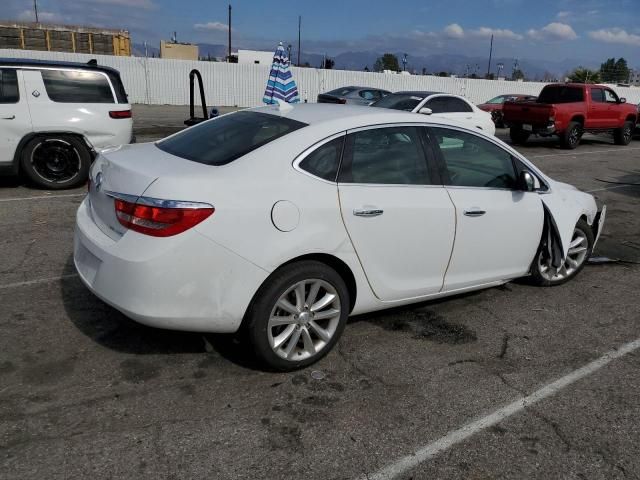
[614, 71]
[584, 75]
[517, 74]
[387, 62]
[443, 74]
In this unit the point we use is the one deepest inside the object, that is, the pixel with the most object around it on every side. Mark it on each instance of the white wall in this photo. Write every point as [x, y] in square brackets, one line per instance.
[166, 82]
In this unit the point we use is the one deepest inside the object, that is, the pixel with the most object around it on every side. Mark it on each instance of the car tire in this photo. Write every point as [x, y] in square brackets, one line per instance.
[56, 162]
[623, 136]
[570, 139]
[518, 135]
[287, 338]
[543, 274]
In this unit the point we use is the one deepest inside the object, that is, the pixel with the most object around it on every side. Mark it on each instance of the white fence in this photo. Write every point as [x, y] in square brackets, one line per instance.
[165, 82]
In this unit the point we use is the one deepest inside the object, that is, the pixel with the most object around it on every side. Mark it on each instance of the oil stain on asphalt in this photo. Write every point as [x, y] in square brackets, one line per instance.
[427, 325]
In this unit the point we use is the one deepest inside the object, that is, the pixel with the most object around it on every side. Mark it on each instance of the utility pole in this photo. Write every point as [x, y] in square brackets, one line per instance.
[490, 55]
[229, 56]
[299, 28]
[35, 8]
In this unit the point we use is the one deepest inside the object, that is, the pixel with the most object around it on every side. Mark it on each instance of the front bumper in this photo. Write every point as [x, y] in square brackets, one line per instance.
[185, 282]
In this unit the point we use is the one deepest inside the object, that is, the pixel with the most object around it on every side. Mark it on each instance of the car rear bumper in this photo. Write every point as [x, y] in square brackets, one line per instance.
[185, 282]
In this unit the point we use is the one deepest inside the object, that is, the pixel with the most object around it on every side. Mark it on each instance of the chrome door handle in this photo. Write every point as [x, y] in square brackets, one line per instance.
[370, 212]
[12, 117]
[474, 212]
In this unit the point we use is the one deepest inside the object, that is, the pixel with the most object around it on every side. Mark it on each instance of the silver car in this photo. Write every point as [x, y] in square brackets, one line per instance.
[353, 95]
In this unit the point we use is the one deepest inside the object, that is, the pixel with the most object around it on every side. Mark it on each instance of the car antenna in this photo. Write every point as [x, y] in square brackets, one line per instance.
[93, 62]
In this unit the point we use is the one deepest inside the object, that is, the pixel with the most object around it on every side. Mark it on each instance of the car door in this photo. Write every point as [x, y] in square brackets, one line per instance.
[453, 108]
[613, 112]
[15, 120]
[597, 109]
[498, 226]
[397, 213]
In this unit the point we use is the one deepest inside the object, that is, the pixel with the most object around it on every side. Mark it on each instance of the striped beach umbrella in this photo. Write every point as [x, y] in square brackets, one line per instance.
[280, 85]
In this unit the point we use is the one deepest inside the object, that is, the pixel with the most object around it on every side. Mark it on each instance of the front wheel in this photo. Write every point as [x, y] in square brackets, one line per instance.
[297, 317]
[56, 162]
[622, 136]
[570, 139]
[545, 274]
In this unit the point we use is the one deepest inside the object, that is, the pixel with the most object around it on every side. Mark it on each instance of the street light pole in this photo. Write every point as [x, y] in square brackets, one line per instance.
[299, 28]
[490, 55]
[229, 56]
[35, 8]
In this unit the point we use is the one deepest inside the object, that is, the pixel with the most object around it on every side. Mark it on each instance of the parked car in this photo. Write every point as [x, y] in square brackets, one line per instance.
[568, 110]
[353, 95]
[494, 106]
[54, 114]
[234, 224]
[440, 105]
[637, 130]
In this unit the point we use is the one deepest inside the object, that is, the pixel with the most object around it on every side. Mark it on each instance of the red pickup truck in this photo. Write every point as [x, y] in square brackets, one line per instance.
[570, 109]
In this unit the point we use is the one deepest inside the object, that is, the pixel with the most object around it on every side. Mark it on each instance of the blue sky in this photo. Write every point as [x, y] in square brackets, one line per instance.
[556, 30]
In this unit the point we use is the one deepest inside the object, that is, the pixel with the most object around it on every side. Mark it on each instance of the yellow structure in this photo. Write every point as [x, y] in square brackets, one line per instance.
[178, 51]
[64, 38]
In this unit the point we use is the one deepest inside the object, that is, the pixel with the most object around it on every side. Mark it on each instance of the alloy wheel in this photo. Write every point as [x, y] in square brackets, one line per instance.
[56, 160]
[626, 134]
[576, 256]
[304, 319]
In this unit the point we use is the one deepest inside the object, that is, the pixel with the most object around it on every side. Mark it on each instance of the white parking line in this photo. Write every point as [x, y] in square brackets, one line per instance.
[42, 197]
[39, 280]
[577, 153]
[423, 454]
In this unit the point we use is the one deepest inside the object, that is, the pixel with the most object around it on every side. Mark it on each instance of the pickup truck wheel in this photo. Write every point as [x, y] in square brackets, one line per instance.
[56, 162]
[622, 136]
[570, 139]
[518, 135]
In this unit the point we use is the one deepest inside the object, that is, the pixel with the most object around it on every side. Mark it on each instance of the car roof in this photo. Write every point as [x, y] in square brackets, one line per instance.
[349, 116]
[420, 93]
[25, 62]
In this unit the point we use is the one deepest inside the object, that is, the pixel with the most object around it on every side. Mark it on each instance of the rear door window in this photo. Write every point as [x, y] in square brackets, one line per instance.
[323, 162]
[597, 95]
[77, 86]
[229, 137]
[9, 92]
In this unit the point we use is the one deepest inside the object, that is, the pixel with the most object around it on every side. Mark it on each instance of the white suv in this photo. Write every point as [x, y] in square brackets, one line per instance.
[53, 115]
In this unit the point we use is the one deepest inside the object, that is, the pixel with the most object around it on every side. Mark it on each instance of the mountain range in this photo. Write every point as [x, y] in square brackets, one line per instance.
[456, 64]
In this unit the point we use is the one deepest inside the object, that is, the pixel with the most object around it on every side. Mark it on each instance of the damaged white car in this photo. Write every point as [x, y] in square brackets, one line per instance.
[280, 222]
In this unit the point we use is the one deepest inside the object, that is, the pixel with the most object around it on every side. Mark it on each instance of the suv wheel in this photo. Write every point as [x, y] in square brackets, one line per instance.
[622, 136]
[296, 318]
[56, 162]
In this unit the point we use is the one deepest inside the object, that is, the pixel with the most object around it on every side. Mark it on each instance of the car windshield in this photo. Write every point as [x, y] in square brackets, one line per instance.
[560, 94]
[399, 101]
[341, 92]
[224, 139]
[497, 100]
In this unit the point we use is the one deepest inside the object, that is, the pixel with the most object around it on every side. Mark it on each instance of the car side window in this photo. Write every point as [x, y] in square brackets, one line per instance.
[437, 105]
[385, 156]
[323, 162]
[457, 105]
[472, 161]
[9, 92]
[368, 95]
[72, 86]
[597, 95]
[610, 97]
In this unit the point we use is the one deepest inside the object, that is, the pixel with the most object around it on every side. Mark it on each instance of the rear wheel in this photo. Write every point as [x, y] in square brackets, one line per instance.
[545, 274]
[56, 162]
[570, 139]
[298, 315]
[623, 136]
[518, 135]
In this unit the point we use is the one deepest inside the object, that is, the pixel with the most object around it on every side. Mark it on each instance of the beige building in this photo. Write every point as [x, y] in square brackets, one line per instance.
[178, 51]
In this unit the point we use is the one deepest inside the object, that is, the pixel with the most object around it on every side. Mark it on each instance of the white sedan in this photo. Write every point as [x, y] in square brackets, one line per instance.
[440, 105]
[282, 221]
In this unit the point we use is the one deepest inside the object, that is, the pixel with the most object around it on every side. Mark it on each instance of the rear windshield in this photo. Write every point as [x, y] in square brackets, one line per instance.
[224, 139]
[340, 92]
[398, 101]
[560, 94]
[77, 86]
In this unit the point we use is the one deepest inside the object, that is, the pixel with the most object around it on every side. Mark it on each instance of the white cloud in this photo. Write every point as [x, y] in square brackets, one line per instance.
[616, 35]
[454, 31]
[496, 32]
[563, 14]
[212, 26]
[554, 31]
[29, 16]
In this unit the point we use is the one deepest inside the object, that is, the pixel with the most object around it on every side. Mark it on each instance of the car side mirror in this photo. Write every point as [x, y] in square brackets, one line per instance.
[527, 182]
[425, 111]
[623, 100]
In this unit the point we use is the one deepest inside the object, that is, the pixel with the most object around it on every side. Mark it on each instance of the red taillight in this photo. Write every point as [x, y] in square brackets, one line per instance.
[120, 113]
[159, 221]
[342, 100]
